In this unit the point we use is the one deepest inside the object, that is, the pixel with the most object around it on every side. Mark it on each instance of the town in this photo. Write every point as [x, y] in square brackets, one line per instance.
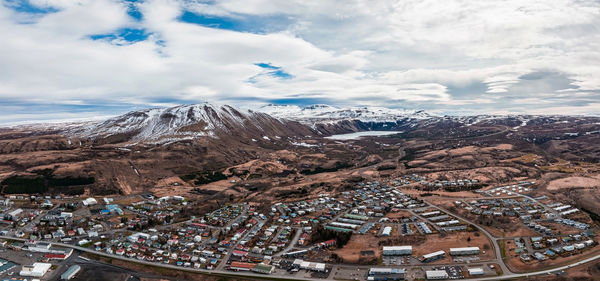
[379, 230]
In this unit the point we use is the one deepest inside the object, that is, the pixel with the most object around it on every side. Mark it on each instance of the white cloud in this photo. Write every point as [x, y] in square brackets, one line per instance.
[408, 52]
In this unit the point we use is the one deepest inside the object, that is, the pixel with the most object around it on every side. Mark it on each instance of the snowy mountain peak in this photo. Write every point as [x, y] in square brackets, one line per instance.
[325, 113]
[183, 120]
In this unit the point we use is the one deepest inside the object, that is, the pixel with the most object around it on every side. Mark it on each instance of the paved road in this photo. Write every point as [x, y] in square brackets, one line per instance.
[493, 239]
[250, 274]
[292, 243]
[223, 262]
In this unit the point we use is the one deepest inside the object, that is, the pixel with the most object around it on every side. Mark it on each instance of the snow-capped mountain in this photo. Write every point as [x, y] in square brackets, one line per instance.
[320, 113]
[164, 125]
[327, 119]
[185, 121]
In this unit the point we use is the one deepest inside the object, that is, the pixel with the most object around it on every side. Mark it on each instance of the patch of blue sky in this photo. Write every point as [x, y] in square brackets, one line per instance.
[88, 105]
[123, 36]
[132, 9]
[274, 71]
[238, 22]
[16, 112]
[25, 6]
[300, 101]
[266, 65]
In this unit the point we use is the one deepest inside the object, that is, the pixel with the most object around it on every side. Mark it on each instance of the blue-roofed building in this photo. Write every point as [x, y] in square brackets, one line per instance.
[6, 265]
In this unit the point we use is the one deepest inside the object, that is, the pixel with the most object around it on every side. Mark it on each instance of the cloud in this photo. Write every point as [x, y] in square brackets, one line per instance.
[449, 56]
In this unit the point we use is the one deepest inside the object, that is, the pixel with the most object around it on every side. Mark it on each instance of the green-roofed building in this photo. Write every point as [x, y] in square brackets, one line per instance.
[338, 229]
[263, 268]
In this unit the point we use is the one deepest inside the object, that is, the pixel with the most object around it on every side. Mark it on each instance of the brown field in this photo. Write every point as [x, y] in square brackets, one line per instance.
[502, 146]
[574, 182]
[350, 253]
[463, 150]
[527, 158]
[438, 242]
[398, 214]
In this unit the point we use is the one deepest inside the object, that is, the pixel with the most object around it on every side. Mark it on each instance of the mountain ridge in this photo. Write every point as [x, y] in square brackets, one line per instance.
[191, 121]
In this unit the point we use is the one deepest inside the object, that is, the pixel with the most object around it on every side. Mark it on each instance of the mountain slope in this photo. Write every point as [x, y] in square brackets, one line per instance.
[328, 119]
[320, 113]
[189, 121]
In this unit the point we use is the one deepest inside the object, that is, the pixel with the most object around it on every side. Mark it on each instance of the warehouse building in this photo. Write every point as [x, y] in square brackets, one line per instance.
[338, 229]
[475, 271]
[295, 253]
[6, 265]
[429, 214]
[436, 274]
[70, 273]
[376, 274]
[344, 220]
[386, 231]
[434, 256]
[343, 225]
[356, 217]
[314, 266]
[464, 251]
[38, 269]
[263, 268]
[446, 223]
[241, 266]
[397, 250]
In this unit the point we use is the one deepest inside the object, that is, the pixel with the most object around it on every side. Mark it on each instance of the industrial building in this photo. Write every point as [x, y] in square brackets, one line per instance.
[429, 214]
[356, 217]
[397, 250]
[296, 253]
[263, 268]
[343, 225]
[436, 274]
[475, 271]
[6, 265]
[446, 223]
[386, 231]
[70, 272]
[376, 274]
[38, 269]
[464, 251]
[314, 266]
[434, 256]
[421, 226]
[241, 266]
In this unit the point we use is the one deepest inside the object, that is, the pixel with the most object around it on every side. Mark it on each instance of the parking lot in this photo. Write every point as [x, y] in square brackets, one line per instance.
[454, 272]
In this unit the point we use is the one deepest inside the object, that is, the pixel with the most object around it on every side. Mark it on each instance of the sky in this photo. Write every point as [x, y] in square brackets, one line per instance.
[70, 59]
